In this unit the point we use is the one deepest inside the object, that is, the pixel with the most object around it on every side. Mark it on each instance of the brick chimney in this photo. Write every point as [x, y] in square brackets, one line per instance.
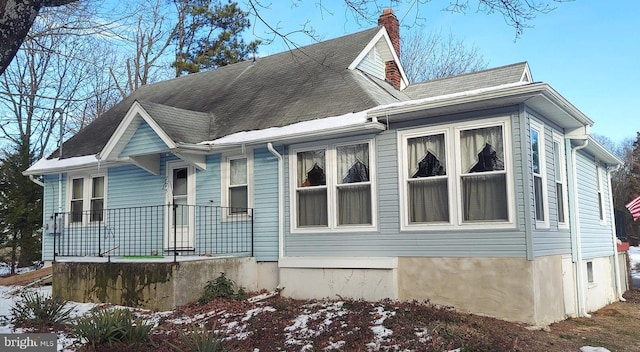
[390, 22]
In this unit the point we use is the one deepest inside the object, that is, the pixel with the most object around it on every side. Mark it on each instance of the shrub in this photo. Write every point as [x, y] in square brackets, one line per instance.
[222, 287]
[35, 310]
[112, 327]
[200, 340]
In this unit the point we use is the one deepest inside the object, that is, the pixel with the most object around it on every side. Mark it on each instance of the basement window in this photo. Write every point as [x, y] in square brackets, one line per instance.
[590, 272]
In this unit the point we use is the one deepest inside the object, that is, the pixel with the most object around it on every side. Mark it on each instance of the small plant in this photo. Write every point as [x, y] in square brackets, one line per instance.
[35, 310]
[200, 340]
[112, 327]
[221, 287]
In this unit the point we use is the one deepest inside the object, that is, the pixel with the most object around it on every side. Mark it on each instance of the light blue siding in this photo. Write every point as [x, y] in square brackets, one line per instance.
[389, 240]
[552, 240]
[144, 141]
[265, 193]
[50, 206]
[373, 64]
[595, 235]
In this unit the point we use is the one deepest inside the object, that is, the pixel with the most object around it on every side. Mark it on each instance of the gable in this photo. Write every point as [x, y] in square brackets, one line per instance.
[144, 141]
[373, 64]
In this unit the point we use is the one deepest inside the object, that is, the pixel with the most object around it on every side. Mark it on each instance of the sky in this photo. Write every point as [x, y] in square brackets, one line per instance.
[586, 50]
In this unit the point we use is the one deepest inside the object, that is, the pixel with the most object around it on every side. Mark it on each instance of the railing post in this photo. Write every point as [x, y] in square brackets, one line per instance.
[55, 225]
[175, 233]
[252, 217]
[99, 238]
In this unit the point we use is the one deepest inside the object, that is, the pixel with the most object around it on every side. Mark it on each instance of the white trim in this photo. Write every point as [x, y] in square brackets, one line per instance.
[558, 139]
[87, 187]
[339, 262]
[191, 201]
[602, 214]
[542, 160]
[126, 130]
[452, 148]
[331, 187]
[225, 181]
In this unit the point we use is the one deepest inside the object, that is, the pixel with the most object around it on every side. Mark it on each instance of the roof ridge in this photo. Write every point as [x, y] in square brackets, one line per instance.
[472, 73]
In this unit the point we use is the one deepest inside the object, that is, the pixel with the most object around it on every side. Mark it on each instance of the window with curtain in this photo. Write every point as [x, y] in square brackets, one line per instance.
[427, 185]
[311, 190]
[77, 199]
[537, 174]
[483, 176]
[353, 185]
[558, 163]
[238, 186]
[97, 198]
[333, 187]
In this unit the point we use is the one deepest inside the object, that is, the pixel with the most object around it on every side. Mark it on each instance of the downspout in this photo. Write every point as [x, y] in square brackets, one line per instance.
[614, 239]
[280, 204]
[575, 226]
[37, 182]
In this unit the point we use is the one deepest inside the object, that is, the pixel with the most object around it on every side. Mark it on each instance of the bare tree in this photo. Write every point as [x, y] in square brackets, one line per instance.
[432, 55]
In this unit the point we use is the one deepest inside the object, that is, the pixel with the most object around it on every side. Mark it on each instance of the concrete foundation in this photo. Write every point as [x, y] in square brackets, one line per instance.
[548, 290]
[601, 291]
[154, 285]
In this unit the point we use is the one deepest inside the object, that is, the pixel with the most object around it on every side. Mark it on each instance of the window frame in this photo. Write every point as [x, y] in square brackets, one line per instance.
[562, 163]
[600, 194]
[454, 175]
[225, 170]
[542, 160]
[332, 186]
[87, 196]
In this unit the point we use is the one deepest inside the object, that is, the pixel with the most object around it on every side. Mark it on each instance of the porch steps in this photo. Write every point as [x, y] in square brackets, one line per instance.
[41, 276]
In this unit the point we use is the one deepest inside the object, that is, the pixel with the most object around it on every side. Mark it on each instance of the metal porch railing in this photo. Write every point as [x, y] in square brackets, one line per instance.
[154, 231]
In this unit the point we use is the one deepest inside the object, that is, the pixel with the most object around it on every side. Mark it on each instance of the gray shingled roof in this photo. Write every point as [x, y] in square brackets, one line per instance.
[277, 90]
[470, 81]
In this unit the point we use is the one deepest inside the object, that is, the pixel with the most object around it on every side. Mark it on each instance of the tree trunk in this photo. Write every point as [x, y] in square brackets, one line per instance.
[16, 18]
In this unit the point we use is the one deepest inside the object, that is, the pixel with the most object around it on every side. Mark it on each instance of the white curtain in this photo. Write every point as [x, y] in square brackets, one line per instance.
[312, 203]
[418, 148]
[428, 195]
[238, 171]
[484, 195]
[354, 201]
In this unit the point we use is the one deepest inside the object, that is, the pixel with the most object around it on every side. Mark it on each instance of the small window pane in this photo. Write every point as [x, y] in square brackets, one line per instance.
[537, 181]
[353, 163]
[182, 211]
[428, 201]
[312, 207]
[238, 171]
[96, 209]
[97, 189]
[556, 161]
[180, 182]
[535, 151]
[238, 199]
[77, 188]
[354, 205]
[311, 168]
[426, 156]
[560, 198]
[482, 149]
[76, 210]
[484, 198]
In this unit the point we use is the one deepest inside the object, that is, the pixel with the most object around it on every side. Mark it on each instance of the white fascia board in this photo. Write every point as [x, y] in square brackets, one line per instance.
[109, 151]
[601, 153]
[339, 262]
[52, 166]
[382, 34]
[523, 91]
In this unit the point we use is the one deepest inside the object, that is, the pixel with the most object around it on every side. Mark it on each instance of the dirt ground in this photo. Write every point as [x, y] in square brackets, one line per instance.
[280, 324]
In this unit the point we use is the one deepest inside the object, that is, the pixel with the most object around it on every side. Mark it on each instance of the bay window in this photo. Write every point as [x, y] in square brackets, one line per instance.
[333, 186]
[559, 175]
[457, 175]
[539, 174]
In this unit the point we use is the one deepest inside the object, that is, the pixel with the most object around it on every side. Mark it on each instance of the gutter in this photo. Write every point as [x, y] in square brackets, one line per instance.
[280, 204]
[37, 182]
[614, 239]
[575, 231]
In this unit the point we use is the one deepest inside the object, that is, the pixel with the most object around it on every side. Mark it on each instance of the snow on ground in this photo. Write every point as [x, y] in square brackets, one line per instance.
[634, 261]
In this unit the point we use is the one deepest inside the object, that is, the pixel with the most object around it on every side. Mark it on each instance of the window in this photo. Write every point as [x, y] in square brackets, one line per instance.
[333, 186]
[600, 199]
[559, 175]
[590, 272]
[539, 174]
[469, 189]
[87, 198]
[237, 184]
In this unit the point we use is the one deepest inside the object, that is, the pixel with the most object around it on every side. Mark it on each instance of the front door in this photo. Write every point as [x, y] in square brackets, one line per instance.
[181, 210]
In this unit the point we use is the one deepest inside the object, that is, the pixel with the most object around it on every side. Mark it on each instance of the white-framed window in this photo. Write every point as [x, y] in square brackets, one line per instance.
[237, 183]
[86, 194]
[600, 194]
[590, 272]
[560, 183]
[332, 187]
[538, 168]
[457, 175]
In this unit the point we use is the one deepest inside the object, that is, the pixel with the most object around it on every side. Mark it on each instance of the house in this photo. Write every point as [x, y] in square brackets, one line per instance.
[482, 191]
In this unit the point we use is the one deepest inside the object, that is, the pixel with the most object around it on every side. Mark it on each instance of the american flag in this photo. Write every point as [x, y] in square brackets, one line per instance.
[634, 208]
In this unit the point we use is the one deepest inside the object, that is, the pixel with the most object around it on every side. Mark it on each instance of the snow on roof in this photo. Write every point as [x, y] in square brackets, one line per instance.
[57, 163]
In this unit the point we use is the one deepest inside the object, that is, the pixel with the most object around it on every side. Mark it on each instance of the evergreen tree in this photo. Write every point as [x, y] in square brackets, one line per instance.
[208, 35]
[20, 207]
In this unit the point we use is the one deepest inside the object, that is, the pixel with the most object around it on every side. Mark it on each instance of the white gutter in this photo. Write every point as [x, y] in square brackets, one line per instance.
[616, 262]
[37, 182]
[577, 248]
[280, 205]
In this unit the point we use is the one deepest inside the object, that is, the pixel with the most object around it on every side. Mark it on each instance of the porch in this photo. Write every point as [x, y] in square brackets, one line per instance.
[163, 232]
